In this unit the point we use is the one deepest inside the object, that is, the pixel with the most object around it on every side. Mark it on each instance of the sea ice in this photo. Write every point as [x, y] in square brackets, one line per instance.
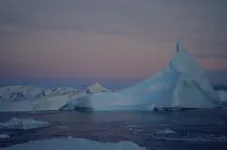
[16, 123]
[74, 144]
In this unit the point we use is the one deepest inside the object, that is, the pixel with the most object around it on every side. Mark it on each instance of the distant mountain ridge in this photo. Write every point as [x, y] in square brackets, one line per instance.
[26, 92]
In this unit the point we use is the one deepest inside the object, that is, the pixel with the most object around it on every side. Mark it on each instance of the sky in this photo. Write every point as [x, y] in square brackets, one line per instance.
[62, 42]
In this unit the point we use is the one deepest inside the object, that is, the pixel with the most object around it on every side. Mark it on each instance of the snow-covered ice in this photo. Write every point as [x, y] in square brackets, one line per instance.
[74, 144]
[16, 123]
[4, 136]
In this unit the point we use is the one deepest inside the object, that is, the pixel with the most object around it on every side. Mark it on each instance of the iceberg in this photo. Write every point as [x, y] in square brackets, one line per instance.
[24, 124]
[74, 144]
[181, 84]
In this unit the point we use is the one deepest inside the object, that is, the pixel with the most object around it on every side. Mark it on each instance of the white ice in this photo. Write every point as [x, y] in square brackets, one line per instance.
[16, 123]
[74, 144]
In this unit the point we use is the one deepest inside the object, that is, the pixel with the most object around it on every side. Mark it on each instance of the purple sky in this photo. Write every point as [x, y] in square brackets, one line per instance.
[107, 39]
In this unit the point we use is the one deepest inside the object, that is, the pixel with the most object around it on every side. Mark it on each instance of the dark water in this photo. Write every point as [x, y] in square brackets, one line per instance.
[195, 129]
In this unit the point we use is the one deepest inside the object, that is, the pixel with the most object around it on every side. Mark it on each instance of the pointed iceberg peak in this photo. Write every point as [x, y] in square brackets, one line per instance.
[184, 62]
[179, 47]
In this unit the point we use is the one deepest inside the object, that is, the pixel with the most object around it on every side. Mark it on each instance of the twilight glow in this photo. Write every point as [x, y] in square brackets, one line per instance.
[107, 39]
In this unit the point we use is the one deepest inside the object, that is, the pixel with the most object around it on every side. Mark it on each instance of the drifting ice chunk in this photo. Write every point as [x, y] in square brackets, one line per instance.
[74, 144]
[16, 123]
[4, 136]
[166, 131]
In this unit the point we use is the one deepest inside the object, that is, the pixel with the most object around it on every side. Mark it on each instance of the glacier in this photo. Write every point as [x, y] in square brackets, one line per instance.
[24, 124]
[74, 144]
[181, 84]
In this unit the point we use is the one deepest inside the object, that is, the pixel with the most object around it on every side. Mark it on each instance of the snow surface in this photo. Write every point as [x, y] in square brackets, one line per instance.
[74, 144]
[181, 84]
[16, 123]
[4, 136]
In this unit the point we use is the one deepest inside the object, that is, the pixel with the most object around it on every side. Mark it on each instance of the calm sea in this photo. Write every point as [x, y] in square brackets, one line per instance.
[189, 129]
